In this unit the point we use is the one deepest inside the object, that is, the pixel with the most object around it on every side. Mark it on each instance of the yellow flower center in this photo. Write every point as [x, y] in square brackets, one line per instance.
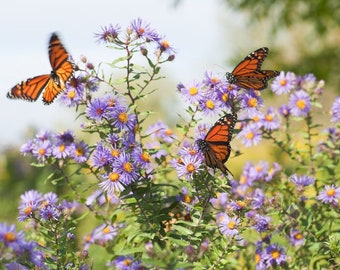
[186, 198]
[9, 237]
[79, 151]
[269, 118]
[127, 262]
[106, 230]
[115, 153]
[331, 192]
[168, 132]
[71, 94]
[283, 82]
[252, 102]
[127, 166]
[28, 210]
[190, 168]
[250, 135]
[114, 176]
[301, 104]
[225, 97]
[259, 168]
[241, 204]
[42, 151]
[256, 118]
[243, 179]
[123, 117]
[298, 236]
[62, 147]
[275, 254]
[145, 157]
[257, 258]
[193, 91]
[231, 225]
[141, 31]
[210, 104]
[165, 44]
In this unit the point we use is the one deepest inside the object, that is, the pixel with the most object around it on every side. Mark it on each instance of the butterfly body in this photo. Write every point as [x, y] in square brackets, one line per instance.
[216, 144]
[50, 84]
[248, 74]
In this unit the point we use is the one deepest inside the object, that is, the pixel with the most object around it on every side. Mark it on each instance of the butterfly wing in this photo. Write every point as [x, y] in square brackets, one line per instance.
[29, 89]
[248, 74]
[216, 145]
[62, 69]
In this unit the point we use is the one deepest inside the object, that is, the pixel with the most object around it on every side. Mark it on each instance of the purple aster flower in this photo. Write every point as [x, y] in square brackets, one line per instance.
[91, 84]
[284, 83]
[302, 181]
[126, 169]
[50, 198]
[10, 237]
[330, 194]
[27, 148]
[43, 135]
[112, 182]
[193, 92]
[335, 111]
[221, 200]
[210, 80]
[250, 135]
[296, 238]
[210, 105]
[141, 157]
[307, 81]
[125, 263]
[189, 166]
[228, 225]
[261, 223]
[60, 150]
[160, 131]
[96, 109]
[258, 199]
[66, 137]
[101, 156]
[122, 119]
[270, 121]
[250, 100]
[80, 152]
[104, 233]
[273, 171]
[143, 30]
[165, 47]
[50, 212]
[108, 33]
[299, 103]
[42, 150]
[114, 101]
[259, 171]
[15, 266]
[74, 92]
[275, 255]
[284, 110]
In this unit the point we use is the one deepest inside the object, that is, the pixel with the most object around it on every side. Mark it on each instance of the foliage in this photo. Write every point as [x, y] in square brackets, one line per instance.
[144, 193]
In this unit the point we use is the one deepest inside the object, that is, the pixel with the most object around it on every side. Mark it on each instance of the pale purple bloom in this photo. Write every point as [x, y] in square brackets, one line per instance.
[221, 200]
[296, 238]
[80, 152]
[250, 135]
[189, 166]
[261, 223]
[284, 110]
[113, 182]
[108, 33]
[335, 110]
[143, 30]
[193, 92]
[258, 199]
[299, 103]
[160, 131]
[270, 121]
[284, 83]
[330, 194]
[228, 225]
[96, 109]
[302, 181]
[275, 255]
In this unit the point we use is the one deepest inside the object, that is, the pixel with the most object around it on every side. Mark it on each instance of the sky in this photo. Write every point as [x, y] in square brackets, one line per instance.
[195, 28]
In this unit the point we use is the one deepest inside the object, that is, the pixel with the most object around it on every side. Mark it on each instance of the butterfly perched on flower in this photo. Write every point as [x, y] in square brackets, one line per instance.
[53, 83]
[248, 74]
[216, 144]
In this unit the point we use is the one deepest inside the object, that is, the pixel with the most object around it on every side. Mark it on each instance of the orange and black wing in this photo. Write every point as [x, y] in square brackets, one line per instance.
[216, 144]
[29, 89]
[248, 74]
[52, 83]
[62, 69]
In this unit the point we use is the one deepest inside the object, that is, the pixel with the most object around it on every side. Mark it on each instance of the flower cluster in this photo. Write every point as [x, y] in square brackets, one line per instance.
[49, 145]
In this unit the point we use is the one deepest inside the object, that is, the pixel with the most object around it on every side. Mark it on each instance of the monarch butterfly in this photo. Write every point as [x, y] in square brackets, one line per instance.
[53, 83]
[216, 144]
[248, 74]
